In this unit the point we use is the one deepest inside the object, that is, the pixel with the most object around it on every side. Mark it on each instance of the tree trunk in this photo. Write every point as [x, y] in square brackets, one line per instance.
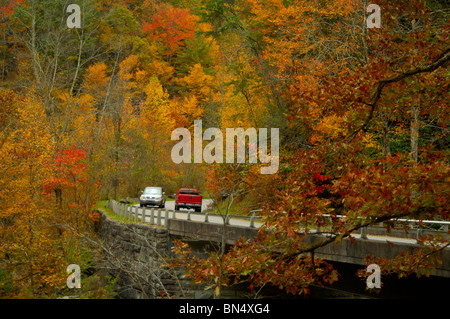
[414, 143]
[414, 133]
[58, 196]
[386, 144]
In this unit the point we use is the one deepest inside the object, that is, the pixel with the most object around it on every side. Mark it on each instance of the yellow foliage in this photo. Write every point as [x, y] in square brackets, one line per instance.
[198, 83]
[156, 111]
[369, 140]
[96, 77]
[24, 159]
[186, 111]
[328, 128]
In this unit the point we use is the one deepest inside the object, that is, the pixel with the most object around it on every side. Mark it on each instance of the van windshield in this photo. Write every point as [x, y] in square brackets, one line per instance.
[153, 191]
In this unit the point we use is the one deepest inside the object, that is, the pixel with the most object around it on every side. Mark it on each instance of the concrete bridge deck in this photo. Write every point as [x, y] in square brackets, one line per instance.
[203, 227]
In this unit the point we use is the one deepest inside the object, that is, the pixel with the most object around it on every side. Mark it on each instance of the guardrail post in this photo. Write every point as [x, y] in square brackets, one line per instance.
[252, 220]
[189, 215]
[152, 218]
[206, 217]
[166, 217]
[135, 213]
[159, 218]
[419, 232]
[363, 232]
[143, 214]
[129, 212]
[174, 216]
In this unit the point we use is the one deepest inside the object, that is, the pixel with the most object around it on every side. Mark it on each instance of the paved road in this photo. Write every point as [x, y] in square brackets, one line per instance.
[205, 204]
[171, 205]
[200, 217]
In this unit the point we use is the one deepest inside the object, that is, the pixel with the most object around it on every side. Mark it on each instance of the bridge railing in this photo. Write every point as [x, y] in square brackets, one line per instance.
[414, 225]
[160, 216]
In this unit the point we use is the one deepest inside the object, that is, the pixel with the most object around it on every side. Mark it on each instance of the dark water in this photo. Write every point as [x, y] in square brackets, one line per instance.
[351, 286]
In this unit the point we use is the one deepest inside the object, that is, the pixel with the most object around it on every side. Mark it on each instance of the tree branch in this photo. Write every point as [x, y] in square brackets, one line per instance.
[440, 61]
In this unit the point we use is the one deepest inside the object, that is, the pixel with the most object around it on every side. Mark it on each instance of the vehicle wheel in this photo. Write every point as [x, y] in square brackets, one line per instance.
[176, 207]
[199, 210]
[141, 205]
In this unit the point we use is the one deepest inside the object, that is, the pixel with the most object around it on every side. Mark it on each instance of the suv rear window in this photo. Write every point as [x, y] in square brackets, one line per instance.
[188, 192]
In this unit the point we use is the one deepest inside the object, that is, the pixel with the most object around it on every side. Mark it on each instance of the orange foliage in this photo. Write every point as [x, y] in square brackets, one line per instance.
[172, 26]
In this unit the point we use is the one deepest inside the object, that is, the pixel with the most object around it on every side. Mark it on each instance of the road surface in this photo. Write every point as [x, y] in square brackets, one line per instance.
[205, 204]
[200, 217]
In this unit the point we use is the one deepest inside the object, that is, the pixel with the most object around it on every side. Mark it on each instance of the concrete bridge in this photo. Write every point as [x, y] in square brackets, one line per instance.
[203, 227]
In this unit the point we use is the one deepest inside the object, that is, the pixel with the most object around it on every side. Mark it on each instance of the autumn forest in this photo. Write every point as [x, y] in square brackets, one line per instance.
[86, 115]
